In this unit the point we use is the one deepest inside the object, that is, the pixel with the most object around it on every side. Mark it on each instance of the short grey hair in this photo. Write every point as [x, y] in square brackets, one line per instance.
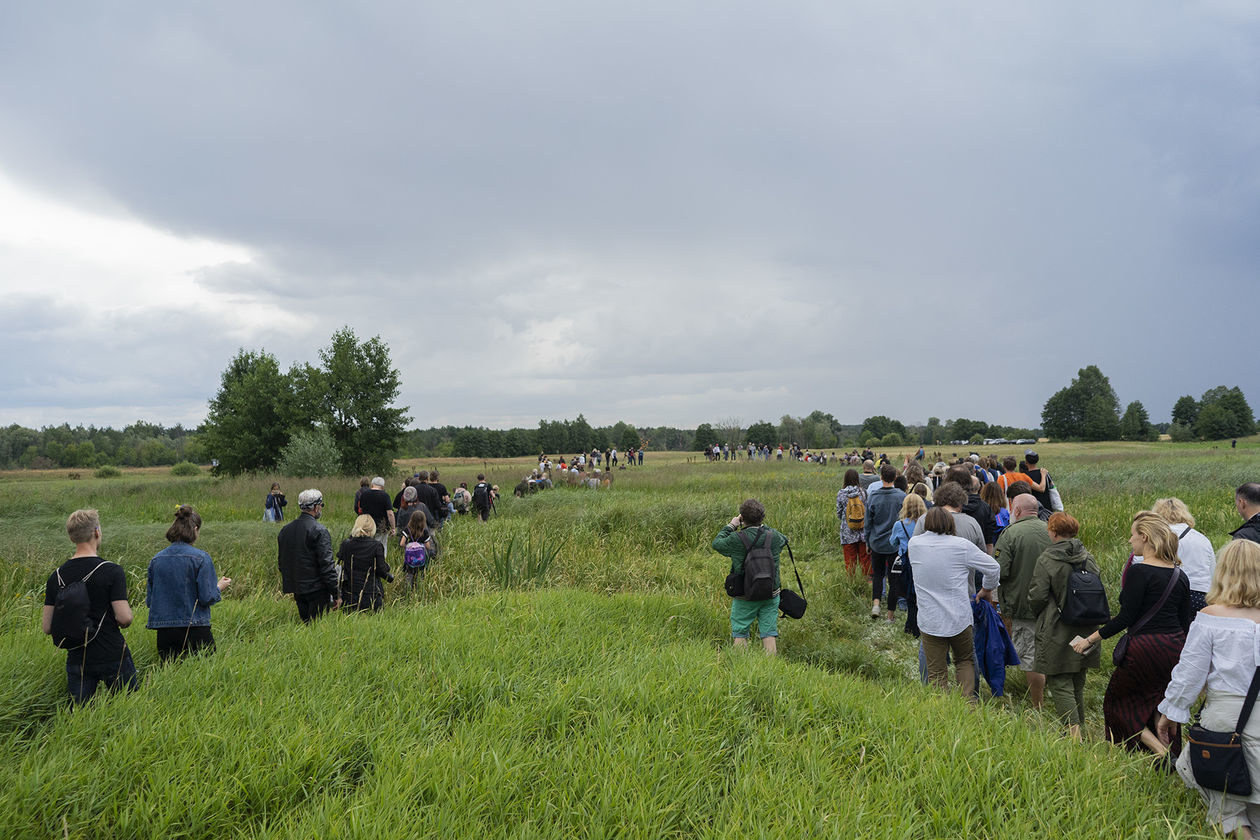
[378, 482]
[309, 499]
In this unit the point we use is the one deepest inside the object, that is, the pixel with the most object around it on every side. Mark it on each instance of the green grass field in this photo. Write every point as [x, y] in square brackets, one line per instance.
[602, 700]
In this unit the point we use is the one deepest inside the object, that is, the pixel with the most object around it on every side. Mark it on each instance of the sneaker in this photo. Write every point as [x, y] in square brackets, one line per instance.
[875, 611]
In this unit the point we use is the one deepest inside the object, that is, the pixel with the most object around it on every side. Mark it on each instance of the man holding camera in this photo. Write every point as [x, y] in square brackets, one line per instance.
[736, 540]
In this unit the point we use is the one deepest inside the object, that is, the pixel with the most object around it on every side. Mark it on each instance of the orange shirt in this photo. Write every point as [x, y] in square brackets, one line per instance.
[1007, 479]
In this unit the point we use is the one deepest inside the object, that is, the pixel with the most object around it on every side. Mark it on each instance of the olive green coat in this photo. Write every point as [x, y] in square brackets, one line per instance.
[1045, 597]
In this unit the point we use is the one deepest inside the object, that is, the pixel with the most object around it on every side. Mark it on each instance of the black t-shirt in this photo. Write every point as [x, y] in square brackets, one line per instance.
[106, 585]
[427, 495]
[376, 504]
[1042, 496]
[979, 510]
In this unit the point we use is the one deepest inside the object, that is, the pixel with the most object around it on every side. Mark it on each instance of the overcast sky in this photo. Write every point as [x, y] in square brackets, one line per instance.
[659, 212]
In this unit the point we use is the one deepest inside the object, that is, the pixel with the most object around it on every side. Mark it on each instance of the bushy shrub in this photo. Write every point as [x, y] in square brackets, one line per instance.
[891, 439]
[310, 452]
[185, 468]
[1180, 432]
[108, 472]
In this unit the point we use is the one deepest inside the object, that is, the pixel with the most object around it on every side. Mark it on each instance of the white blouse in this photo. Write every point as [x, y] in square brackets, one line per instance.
[1220, 653]
[1198, 560]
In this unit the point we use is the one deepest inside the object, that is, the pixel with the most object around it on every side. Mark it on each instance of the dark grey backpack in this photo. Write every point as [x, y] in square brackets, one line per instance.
[758, 566]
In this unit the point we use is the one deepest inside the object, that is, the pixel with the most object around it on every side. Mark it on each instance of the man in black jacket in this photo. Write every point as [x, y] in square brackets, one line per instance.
[1247, 503]
[306, 559]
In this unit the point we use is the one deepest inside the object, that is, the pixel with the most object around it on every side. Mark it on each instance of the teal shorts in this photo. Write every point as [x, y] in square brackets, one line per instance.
[743, 612]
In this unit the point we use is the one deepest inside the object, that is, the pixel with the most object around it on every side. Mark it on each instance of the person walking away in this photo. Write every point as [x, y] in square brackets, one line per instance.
[851, 510]
[305, 560]
[273, 507]
[883, 504]
[745, 531]
[362, 560]
[482, 500]
[182, 586]
[943, 563]
[1017, 552]
[1155, 608]
[1221, 656]
[102, 658]
[376, 503]
[1063, 668]
[912, 507]
[1198, 560]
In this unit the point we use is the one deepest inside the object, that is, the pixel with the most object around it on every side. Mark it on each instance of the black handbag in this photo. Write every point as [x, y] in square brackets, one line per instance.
[1217, 759]
[791, 604]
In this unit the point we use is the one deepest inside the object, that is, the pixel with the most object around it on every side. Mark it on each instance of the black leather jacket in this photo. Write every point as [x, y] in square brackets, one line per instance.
[306, 557]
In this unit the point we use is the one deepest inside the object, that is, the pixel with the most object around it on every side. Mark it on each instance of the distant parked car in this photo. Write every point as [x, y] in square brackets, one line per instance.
[1025, 441]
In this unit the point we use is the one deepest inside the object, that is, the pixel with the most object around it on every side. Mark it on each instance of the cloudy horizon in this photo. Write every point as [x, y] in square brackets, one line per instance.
[661, 214]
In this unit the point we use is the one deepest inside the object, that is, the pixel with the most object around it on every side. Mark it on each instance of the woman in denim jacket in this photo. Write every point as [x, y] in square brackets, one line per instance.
[181, 587]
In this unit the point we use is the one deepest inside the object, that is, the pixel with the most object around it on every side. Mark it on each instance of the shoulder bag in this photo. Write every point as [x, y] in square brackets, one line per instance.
[791, 604]
[1122, 646]
[1217, 759]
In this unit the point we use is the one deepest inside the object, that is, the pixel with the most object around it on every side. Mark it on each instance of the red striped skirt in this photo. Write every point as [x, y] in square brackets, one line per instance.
[1137, 687]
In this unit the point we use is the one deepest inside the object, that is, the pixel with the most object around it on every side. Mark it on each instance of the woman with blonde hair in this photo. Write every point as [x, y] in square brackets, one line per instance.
[362, 560]
[1220, 655]
[912, 507]
[1155, 609]
[1195, 550]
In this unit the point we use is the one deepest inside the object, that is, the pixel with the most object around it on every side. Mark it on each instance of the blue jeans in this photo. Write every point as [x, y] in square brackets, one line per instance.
[83, 680]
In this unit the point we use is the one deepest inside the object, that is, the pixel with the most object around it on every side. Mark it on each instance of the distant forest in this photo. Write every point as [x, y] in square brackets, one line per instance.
[149, 445]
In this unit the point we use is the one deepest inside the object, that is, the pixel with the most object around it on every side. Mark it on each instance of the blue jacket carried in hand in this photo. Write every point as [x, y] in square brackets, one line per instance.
[994, 651]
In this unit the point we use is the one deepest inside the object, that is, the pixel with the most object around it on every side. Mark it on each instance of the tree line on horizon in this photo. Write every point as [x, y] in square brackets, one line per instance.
[339, 417]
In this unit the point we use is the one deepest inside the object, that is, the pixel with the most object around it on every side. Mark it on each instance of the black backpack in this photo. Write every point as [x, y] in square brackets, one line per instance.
[758, 566]
[72, 625]
[1085, 601]
[481, 496]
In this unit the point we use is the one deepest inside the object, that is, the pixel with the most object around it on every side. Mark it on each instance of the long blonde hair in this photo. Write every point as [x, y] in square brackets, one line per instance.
[1236, 581]
[1161, 542]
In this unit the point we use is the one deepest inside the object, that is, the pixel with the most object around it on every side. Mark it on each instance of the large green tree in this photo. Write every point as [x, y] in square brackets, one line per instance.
[1186, 411]
[352, 395]
[705, 436]
[762, 433]
[1101, 422]
[250, 418]
[1064, 414]
[1231, 416]
[1136, 423]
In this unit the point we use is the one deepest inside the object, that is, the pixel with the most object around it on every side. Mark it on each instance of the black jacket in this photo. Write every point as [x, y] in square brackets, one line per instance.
[1249, 530]
[362, 560]
[306, 557]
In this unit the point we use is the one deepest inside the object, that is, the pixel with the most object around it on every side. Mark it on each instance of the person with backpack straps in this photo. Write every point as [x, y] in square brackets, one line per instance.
[851, 511]
[85, 609]
[1155, 609]
[482, 499]
[753, 549]
[1062, 667]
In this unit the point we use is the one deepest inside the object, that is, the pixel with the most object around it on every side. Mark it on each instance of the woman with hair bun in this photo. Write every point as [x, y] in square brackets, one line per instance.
[1155, 609]
[1198, 560]
[1064, 668]
[181, 587]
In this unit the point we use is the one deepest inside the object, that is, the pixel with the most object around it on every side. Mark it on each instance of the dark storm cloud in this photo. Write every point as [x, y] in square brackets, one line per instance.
[709, 210]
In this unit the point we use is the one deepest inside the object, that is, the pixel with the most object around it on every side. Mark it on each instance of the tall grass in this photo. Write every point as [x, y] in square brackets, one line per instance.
[603, 701]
